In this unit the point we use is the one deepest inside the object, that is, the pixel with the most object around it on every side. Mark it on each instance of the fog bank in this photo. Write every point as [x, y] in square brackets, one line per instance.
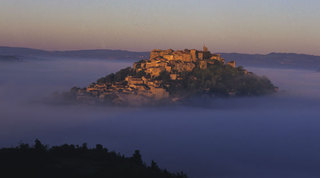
[272, 136]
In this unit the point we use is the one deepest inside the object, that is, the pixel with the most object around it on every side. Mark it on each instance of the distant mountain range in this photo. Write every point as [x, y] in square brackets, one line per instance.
[96, 54]
[273, 60]
[276, 60]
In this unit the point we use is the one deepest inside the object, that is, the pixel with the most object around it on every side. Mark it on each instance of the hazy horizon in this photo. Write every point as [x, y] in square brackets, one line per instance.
[246, 26]
[88, 49]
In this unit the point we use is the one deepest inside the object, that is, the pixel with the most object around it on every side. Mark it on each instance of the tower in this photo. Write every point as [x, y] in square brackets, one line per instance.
[205, 49]
[206, 52]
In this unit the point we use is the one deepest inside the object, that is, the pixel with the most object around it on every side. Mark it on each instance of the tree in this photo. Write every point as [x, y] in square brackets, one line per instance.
[154, 165]
[39, 146]
[84, 146]
[99, 147]
[137, 157]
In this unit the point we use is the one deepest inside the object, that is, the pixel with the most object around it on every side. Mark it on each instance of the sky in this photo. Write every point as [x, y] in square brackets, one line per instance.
[244, 26]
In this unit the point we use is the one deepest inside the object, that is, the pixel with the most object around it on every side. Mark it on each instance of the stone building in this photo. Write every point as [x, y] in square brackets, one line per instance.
[173, 62]
[232, 64]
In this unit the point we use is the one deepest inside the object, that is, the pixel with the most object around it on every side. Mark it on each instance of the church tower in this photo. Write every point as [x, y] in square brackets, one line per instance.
[205, 49]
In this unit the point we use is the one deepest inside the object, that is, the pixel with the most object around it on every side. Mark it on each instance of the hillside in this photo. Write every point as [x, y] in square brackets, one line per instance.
[171, 76]
[68, 161]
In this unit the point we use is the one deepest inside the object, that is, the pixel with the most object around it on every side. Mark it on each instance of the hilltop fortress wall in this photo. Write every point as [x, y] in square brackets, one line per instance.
[178, 61]
[184, 55]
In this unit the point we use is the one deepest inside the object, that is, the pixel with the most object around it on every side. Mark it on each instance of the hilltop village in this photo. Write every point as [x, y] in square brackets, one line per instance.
[163, 77]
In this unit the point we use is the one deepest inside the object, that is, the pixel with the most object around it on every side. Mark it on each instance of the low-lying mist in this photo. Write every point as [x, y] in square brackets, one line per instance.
[272, 136]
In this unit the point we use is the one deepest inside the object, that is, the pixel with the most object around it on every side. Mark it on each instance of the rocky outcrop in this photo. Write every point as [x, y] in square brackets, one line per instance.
[148, 80]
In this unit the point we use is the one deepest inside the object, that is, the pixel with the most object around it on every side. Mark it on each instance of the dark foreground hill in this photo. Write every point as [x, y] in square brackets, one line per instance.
[70, 161]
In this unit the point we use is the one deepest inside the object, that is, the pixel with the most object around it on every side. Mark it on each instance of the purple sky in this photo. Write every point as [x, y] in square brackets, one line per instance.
[247, 26]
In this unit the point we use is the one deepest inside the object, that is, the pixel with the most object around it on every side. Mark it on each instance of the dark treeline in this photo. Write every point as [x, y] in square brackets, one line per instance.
[67, 160]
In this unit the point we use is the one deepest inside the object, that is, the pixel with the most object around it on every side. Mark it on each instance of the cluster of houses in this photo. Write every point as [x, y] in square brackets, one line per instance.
[178, 61]
[173, 62]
